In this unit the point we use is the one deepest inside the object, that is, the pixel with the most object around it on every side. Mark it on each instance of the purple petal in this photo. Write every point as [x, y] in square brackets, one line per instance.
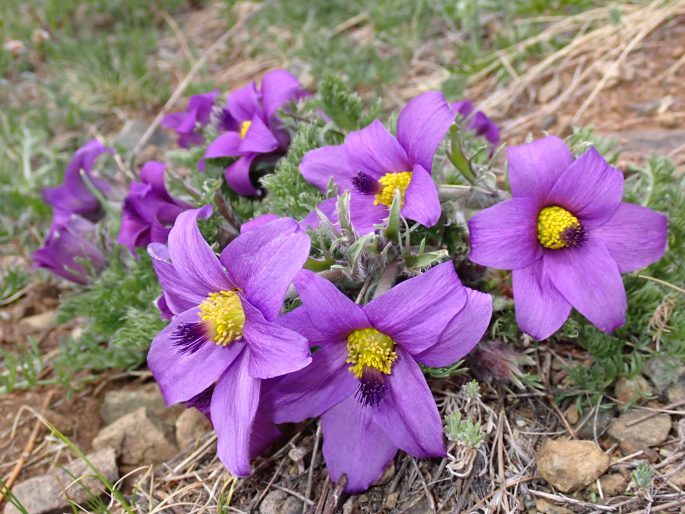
[483, 126]
[319, 166]
[462, 333]
[273, 349]
[258, 138]
[421, 198]
[313, 390]
[243, 103]
[635, 236]
[278, 88]
[463, 108]
[180, 374]
[364, 215]
[354, 445]
[238, 176]
[226, 145]
[504, 236]
[332, 313]
[258, 222]
[375, 151]
[264, 433]
[263, 263]
[408, 414]
[178, 295]
[422, 125]
[588, 278]
[415, 312]
[133, 233]
[535, 167]
[590, 188]
[202, 105]
[193, 259]
[234, 406]
[540, 309]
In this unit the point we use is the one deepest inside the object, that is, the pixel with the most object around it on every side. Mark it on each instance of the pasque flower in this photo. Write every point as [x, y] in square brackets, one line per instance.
[74, 196]
[252, 127]
[68, 245]
[188, 123]
[478, 121]
[365, 380]
[373, 164]
[567, 236]
[149, 211]
[224, 332]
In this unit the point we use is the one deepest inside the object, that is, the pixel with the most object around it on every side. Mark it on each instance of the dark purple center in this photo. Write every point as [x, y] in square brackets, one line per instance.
[573, 236]
[189, 337]
[372, 388]
[365, 184]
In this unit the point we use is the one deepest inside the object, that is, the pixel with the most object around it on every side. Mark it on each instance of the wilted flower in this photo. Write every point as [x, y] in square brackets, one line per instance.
[495, 361]
[373, 164]
[68, 245]
[478, 121]
[252, 127]
[365, 380]
[567, 237]
[74, 196]
[187, 123]
[40, 36]
[149, 211]
[224, 332]
[14, 47]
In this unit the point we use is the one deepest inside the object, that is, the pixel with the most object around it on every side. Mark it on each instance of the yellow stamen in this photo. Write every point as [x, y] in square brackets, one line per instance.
[391, 182]
[553, 222]
[225, 316]
[369, 348]
[244, 127]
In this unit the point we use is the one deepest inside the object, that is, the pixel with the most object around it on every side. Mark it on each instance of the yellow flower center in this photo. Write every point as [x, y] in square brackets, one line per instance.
[224, 315]
[391, 182]
[244, 127]
[369, 348]
[558, 228]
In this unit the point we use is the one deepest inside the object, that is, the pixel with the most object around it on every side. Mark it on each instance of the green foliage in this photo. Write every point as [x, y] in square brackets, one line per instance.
[287, 192]
[120, 317]
[642, 475]
[12, 280]
[465, 431]
[343, 105]
[21, 369]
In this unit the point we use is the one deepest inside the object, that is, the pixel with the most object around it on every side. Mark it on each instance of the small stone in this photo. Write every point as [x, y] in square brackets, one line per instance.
[119, 402]
[51, 492]
[632, 390]
[191, 425]
[38, 322]
[650, 432]
[136, 439]
[676, 392]
[571, 414]
[545, 507]
[663, 371]
[599, 423]
[571, 465]
[391, 501]
[612, 484]
[280, 502]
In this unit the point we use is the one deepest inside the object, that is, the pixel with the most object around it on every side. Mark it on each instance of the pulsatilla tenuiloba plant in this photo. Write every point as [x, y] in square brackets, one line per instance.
[314, 263]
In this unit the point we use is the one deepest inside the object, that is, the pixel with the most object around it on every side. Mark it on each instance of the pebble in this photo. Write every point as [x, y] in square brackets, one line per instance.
[632, 390]
[613, 484]
[119, 402]
[280, 502]
[571, 465]
[191, 425]
[650, 432]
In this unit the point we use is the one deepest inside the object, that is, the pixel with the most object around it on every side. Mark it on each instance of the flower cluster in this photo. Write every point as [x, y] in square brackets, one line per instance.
[263, 327]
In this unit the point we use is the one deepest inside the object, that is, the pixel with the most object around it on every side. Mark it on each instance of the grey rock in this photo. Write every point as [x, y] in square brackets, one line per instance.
[650, 432]
[676, 392]
[137, 439]
[632, 390]
[191, 425]
[133, 130]
[662, 371]
[119, 402]
[613, 484]
[48, 493]
[602, 421]
[280, 502]
[571, 465]
[637, 143]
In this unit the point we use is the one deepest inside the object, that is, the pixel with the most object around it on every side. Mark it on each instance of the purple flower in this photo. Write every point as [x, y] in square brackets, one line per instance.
[252, 127]
[149, 211]
[68, 244]
[365, 380]
[224, 332]
[567, 237]
[478, 122]
[186, 124]
[74, 196]
[373, 164]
